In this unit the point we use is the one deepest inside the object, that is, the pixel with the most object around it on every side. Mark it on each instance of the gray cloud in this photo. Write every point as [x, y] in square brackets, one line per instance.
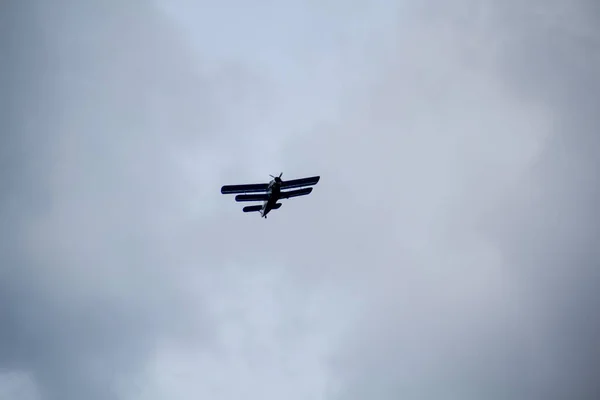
[498, 300]
[449, 250]
[477, 254]
[87, 288]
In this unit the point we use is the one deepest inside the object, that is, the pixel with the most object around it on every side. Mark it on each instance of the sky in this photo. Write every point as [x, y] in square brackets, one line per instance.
[448, 252]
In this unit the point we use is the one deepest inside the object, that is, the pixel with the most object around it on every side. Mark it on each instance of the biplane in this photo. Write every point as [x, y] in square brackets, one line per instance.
[270, 193]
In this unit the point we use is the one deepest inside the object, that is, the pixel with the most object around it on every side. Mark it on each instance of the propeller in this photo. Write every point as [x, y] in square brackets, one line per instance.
[277, 178]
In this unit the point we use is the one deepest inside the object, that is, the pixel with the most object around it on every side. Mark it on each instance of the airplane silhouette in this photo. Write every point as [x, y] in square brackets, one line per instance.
[271, 192]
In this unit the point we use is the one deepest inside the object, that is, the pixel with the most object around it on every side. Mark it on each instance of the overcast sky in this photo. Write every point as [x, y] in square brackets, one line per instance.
[450, 250]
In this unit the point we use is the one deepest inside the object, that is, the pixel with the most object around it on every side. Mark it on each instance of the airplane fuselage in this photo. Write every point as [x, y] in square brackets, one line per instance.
[273, 192]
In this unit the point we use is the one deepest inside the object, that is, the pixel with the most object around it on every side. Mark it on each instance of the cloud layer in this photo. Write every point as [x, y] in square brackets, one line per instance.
[448, 252]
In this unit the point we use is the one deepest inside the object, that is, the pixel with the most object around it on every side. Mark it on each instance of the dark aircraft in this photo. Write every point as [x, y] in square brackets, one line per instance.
[272, 192]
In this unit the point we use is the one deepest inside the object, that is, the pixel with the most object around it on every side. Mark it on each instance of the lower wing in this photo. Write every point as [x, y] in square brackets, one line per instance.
[295, 193]
[252, 197]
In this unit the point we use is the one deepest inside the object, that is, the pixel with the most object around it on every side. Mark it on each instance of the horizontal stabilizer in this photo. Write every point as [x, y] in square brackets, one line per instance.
[252, 197]
[295, 183]
[257, 207]
[295, 193]
[255, 187]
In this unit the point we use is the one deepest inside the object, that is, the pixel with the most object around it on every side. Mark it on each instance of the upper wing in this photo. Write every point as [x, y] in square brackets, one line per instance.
[295, 193]
[294, 183]
[254, 187]
[252, 197]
